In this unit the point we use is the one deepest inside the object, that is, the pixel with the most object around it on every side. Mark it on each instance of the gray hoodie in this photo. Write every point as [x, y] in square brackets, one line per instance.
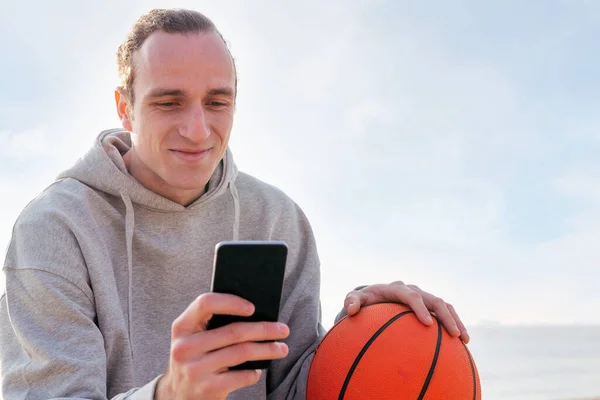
[99, 267]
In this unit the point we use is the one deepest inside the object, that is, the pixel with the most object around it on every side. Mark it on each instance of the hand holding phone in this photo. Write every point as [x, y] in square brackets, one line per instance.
[200, 360]
[254, 271]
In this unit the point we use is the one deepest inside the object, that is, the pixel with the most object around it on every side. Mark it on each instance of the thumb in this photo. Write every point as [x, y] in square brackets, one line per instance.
[354, 300]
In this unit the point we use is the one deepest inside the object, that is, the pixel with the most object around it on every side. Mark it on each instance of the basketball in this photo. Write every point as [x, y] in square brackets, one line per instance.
[385, 352]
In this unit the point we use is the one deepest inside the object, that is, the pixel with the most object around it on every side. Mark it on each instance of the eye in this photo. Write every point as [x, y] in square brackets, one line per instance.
[166, 104]
[217, 104]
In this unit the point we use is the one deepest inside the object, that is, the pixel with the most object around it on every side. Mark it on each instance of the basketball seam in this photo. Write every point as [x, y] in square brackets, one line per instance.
[328, 333]
[433, 362]
[364, 350]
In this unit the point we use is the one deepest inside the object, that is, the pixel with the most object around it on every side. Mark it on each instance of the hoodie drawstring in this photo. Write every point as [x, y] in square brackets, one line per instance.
[129, 226]
[236, 210]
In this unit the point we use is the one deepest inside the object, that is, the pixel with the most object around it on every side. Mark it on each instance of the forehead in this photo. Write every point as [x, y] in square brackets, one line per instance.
[194, 62]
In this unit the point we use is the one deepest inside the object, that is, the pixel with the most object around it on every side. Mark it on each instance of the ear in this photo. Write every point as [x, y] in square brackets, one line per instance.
[122, 109]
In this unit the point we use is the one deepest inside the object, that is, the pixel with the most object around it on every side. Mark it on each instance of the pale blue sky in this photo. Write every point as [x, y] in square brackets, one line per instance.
[449, 144]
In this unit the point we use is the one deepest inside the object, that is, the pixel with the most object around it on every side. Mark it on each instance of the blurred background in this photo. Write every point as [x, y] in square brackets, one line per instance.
[453, 145]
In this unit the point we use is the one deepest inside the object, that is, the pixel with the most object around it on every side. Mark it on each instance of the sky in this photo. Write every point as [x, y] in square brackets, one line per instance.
[452, 145]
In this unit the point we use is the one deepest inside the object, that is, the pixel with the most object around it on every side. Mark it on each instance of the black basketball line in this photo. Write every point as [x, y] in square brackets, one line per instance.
[472, 371]
[433, 362]
[364, 350]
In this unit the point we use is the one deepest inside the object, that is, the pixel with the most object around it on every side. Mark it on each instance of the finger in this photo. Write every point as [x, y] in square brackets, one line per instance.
[413, 299]
[240, 353]
[201, 310]
[354, 301]
[440, 308]
[464, 335]
[192, 347]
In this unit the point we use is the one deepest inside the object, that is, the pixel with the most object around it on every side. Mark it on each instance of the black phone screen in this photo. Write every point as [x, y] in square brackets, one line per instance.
[254, 271]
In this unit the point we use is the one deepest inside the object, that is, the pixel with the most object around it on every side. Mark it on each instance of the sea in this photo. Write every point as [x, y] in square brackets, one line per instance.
[537, 362]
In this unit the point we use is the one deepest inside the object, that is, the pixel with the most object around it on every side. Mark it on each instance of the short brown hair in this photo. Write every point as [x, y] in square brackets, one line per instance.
[167, 20]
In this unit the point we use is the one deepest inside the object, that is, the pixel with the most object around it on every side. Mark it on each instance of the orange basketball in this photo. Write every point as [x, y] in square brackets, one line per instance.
[385, 352]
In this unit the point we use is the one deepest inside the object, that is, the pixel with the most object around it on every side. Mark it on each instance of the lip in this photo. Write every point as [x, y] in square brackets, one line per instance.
[190, 155]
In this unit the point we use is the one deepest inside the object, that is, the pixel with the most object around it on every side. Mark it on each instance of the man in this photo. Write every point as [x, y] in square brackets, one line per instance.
[108, 270]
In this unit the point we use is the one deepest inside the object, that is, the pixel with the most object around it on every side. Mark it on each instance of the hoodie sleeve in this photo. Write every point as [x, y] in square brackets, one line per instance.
[50, 345]
[300, 309]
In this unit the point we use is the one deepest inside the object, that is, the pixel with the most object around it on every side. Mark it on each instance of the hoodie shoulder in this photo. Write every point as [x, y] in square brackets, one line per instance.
[62, 196]
[66, 206]
[260, 193]
[45, 234]
[267, 209]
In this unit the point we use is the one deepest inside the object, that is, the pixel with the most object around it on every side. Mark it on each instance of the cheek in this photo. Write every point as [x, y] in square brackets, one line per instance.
[153, 135]
[223, 124]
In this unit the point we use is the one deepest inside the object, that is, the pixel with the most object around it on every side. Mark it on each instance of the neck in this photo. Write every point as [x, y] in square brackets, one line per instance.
[151, 181]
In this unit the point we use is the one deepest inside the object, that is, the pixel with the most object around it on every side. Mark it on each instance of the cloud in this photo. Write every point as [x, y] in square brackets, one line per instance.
[582, 183]
[24, 144]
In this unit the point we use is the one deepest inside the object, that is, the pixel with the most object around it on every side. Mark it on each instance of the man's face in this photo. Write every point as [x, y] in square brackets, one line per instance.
[181, 119]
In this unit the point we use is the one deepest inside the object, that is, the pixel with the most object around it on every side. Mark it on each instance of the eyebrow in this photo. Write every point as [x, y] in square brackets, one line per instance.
[161, 92]
[222, 91]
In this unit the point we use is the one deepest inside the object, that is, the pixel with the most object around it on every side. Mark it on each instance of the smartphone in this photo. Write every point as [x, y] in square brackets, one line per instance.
[253, 270]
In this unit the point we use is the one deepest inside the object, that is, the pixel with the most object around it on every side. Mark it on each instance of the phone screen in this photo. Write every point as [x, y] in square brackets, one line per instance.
[253, 270]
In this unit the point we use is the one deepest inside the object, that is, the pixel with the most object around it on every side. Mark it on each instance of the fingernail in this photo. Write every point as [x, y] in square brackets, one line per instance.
[429, 319]
[282, 347]
[259, 372]
[282, 328]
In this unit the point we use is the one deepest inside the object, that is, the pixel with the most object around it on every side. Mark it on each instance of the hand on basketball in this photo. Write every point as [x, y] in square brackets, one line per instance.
[200, 359]
[422, 303]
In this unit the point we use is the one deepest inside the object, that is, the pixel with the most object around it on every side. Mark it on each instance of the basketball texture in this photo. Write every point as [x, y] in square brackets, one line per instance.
[385, 352]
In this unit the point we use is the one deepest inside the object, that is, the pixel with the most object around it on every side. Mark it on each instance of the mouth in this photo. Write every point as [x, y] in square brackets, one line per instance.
[190, 154]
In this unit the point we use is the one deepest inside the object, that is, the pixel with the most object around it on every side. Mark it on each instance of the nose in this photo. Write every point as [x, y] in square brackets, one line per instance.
[195, 127]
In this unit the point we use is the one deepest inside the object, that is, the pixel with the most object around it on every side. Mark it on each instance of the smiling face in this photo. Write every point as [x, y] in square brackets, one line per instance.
[182, 113]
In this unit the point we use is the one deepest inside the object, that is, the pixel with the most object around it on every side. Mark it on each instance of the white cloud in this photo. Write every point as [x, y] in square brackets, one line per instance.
[581, 183]
[24, 144]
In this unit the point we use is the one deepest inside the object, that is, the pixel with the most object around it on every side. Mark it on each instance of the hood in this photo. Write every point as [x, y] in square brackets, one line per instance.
[103, 169]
